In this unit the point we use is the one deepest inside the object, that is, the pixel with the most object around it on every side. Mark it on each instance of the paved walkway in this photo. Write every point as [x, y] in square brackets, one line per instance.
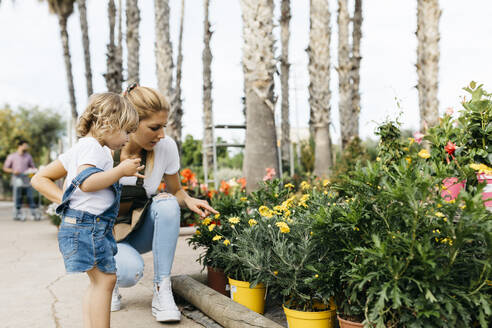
[36, 292]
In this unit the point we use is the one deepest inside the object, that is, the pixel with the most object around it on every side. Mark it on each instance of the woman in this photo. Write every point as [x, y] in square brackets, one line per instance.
[159, 230]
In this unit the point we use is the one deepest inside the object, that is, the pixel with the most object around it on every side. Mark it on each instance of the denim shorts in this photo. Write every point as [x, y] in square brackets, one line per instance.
[86, 240]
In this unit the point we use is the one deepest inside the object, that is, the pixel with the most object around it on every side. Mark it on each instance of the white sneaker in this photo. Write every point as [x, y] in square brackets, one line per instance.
[163, 307]
[115, 299]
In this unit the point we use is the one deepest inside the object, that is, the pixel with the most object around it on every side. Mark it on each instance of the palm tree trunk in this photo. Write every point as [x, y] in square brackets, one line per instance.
[85, 41]
[163, 48]
[132, 41]
[319, 86]
[356, 58]
[113, 62]
[344, 67]
[259, 64]
[428, 15]
[207, 91]
[62, 20]
[284, 79]
[175, 116]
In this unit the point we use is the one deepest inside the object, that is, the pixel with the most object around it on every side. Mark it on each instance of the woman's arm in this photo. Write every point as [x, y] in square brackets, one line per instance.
[173, 186]
[44, 181]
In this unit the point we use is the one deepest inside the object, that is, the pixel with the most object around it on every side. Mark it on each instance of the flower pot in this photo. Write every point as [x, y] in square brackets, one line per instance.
[252, 298]
[451, 188]
[348, 324]
[217, 280]
[487, 191]
[301, 319]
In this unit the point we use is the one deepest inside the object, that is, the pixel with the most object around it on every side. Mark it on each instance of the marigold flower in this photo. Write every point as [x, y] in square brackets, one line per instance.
[439, 214]
[211, 227]
[481, 168]
[198, 232]
[243, 199]
[265, 211]
[378, 159]
[409, 160]
[284, 228]
[234, 220]
[305, 185]
[252, 222]
[289, 185]
[316, 275]
[217, 237]
[411, 141]
[326, 182]
[450, 148]
[227, 242]
[424, 153]
[275, 273]
[216, 216]
[206, 221]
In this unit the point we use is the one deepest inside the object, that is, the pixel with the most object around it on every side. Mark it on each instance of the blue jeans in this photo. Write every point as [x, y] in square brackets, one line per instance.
[159, 234]
[18, 197]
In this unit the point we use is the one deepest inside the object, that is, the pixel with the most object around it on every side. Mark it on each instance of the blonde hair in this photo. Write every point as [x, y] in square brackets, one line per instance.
[147, 101]
[105, 113]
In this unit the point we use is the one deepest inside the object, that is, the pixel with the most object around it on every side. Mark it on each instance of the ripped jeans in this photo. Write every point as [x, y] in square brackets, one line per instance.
[159, 234]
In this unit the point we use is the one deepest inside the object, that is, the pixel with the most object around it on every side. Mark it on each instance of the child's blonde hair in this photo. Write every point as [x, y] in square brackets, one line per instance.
[107, 112]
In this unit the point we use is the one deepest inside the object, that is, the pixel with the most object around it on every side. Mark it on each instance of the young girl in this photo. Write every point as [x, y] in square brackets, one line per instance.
[90, 201]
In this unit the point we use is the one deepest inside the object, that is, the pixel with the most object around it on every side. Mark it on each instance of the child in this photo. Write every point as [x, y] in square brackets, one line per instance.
[90, 202]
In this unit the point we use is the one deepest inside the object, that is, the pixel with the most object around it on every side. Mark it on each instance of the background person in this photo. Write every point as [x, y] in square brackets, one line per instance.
[21, 164]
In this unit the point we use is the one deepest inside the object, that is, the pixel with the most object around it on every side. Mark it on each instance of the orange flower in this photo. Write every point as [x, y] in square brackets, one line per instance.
[242, 182]
[224, 187]
[188, 176]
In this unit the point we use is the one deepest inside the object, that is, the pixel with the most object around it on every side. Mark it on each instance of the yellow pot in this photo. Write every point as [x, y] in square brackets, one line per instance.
[301, 319]
[252, 298]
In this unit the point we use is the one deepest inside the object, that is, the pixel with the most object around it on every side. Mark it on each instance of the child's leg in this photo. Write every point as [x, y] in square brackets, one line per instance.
[102, 285]
[86, 305]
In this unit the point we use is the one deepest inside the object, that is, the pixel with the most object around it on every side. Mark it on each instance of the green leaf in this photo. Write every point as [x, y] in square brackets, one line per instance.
[430, 296]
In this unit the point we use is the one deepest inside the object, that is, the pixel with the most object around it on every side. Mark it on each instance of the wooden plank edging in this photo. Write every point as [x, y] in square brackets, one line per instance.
[222, 309]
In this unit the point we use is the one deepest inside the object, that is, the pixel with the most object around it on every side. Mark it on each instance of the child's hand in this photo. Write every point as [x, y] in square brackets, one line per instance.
[130, 167]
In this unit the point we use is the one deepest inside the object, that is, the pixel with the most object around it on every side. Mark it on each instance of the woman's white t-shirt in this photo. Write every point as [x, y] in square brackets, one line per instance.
[88, 151]
[166, 161]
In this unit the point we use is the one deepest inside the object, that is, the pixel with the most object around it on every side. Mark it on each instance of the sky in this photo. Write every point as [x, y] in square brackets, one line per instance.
[32, 71]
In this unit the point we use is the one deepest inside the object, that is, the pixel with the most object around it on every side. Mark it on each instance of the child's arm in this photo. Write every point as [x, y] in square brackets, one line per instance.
[102, 180]
[44, 181]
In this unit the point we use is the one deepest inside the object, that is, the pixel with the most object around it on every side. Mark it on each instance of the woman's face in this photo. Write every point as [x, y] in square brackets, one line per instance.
[150, 130]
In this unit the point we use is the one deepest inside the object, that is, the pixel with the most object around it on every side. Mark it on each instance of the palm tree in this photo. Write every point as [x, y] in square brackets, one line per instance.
[175, 126]
[356, 58]
[113, 76]
[259, 64]
[428, 15]
[284, 79]
[344, 67]
[163, 48]
[319, 86]
[63, 9]
[207, 91]
[85, 42]
[132, 41]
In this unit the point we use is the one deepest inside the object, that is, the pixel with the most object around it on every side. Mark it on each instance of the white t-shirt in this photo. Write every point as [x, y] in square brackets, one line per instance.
[166, 161]
[88, 151]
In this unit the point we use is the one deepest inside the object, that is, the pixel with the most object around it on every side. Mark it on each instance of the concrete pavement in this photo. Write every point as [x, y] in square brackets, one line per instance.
[35, 291]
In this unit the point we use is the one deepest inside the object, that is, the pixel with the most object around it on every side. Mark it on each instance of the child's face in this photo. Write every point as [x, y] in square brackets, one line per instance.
[116, 140]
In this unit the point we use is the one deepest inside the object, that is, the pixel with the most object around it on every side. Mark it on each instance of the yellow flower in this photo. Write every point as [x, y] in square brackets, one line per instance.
[211, 227]
[234, 220]
[326, 182]
[439, 214]
[405, 148]
[439, 205]
[316, 275]
[424, 153]
[284, 228]
[325, 192]
[451, 201]
[356, 229]
[276, 195]
[265, 211]
[481, 168]
[198, 232]
[311, 233]
[227, 242]
[217, 215]
[305, 185]
[289, 185]
[243, 199]
[409, 160]
[252, 222]
[411, 141]
[287, 213]
[445, 219]
[206, 221]
[378, 159]
[463, 206]
[217, 237]
[275, 273]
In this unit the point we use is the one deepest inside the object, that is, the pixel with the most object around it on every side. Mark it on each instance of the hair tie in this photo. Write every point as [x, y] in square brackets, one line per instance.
[130, 88]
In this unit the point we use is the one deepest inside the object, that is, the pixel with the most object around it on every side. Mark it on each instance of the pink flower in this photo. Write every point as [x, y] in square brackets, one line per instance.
[418, 137]
[270, 174]
[449, 111]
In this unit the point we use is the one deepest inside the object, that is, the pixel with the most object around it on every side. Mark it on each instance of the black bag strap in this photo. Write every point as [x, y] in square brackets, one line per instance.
[143, 156]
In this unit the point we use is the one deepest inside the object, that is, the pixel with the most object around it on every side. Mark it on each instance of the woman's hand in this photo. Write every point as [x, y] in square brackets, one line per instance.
[199, 206]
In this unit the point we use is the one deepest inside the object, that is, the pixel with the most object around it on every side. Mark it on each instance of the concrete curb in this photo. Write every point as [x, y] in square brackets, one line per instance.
[217, 306]
[186, 231]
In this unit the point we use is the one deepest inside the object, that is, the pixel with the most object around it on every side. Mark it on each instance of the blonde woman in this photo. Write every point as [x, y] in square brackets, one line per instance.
[90, 200]
[159, 220]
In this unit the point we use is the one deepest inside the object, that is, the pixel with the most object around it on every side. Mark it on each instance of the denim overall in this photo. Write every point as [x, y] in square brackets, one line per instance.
[86, 240]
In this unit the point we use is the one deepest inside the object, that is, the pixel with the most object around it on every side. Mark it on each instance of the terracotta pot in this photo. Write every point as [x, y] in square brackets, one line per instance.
[217, 280]
[451, 188]
[348, 324]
